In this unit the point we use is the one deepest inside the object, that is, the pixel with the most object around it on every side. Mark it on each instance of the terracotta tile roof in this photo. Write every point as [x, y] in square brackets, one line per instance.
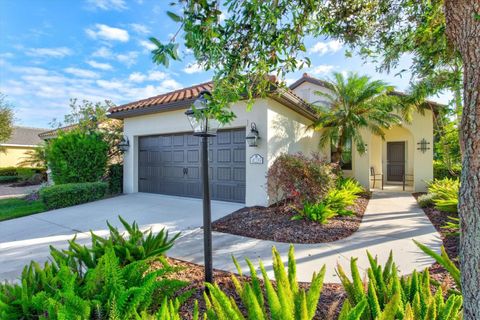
[53, 133]
[185, 94]
[25, 136]
[182, 98]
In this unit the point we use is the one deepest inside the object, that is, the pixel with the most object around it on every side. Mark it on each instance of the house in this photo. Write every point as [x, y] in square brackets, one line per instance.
[16, 149]
[163, 156]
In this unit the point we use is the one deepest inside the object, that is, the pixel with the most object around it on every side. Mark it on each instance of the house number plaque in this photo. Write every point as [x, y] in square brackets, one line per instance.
[256, 159]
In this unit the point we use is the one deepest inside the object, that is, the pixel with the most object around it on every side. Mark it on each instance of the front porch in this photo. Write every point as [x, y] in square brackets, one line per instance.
[399, 162]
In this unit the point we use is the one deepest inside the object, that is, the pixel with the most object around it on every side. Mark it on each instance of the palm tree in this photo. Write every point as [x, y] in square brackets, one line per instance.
[352, 104]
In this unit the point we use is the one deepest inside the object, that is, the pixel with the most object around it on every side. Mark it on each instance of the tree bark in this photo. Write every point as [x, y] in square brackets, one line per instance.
[463, 31]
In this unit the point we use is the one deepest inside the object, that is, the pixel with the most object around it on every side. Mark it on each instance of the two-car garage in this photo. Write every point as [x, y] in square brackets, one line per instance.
[170, 164]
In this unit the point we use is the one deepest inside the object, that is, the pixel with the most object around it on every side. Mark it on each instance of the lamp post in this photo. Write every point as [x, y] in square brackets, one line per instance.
[204, 125]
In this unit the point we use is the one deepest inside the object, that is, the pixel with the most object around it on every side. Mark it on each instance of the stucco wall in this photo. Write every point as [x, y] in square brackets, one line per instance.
[176, 121]
[13, 156]
[418, 163]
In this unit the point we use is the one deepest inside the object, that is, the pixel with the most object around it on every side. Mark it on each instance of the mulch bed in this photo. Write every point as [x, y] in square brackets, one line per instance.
[450, 242]
[274, 223]
[331, 299]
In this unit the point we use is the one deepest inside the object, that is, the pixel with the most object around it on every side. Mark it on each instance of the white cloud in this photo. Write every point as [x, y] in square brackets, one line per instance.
[6, 55]
[99, 65]
[102, 52]
[81, 73]
[193, 68]
[58, 52]
[147, 45]
[153, 75]
[322, 69]
[140, 28]
[129, 58]
[322, 48]
[104, 32]
[107, 4]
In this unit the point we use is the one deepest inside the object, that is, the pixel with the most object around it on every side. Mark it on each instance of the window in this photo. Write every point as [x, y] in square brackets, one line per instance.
[346, 161]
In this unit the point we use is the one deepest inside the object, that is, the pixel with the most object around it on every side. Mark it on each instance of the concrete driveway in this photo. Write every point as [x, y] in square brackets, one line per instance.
[28, 238]
[390, 223]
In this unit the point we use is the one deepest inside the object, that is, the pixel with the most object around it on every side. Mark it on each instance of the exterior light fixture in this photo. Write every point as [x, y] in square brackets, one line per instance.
[204, 125]
[253, 136]
[124, 144]
[423, 145]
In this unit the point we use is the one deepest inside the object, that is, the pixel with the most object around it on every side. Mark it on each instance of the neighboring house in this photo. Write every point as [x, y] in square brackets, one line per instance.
[164, 157]
[15, 150]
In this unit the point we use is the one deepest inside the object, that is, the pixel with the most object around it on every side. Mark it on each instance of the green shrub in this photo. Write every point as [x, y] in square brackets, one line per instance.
[25, 173]
[76, 157]
[453, 225]
[8, 171]
[299, 178]
[425, 200]
[110, 290]
[130, 246]
[441, 171]
[66, 195]
[14, 171]
[445, 194]
[392, 297]
[115, 179]
[7, 179]
[318, 212]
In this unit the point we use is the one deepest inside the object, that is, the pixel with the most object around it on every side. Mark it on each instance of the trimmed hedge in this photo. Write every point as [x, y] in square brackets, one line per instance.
[70, 194]
[115, 179]
[6, 179]
[15, 171]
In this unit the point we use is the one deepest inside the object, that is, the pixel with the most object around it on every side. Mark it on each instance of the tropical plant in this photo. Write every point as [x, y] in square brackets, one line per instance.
[453, 226]
[445, 194]
[299, 178]
[79, 285]
[319, 212]
[36, 157]
[443, 260]
[339, 199]
[390, 296]
[354, 103]
[129, 246]
[425, 200]
[351, 185]
[285, 300]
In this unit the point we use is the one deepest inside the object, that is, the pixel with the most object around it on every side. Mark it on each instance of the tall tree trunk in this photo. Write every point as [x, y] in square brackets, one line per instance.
[463, 31]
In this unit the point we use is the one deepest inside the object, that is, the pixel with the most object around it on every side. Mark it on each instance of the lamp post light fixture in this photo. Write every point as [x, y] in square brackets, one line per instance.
[253, 136]
[204, 125]
[124, 144]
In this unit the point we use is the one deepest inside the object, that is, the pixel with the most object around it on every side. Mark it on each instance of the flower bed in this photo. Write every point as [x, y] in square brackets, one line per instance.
[274, 223]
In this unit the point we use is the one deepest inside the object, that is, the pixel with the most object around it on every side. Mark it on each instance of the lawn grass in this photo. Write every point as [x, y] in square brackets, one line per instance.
[15, 208]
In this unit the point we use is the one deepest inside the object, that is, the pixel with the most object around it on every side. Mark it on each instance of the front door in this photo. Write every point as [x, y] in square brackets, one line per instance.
[395, 161]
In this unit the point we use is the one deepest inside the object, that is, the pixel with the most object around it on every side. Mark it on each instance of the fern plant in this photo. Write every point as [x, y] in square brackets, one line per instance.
[130, 246]
[351, 185]
[389, 296]
[339, 199]
[319, 212]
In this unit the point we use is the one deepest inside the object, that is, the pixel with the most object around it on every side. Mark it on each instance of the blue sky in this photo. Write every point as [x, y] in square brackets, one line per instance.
[54, 50]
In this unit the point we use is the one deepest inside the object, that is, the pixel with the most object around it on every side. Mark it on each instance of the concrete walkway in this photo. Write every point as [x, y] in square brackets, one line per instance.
[391, 221]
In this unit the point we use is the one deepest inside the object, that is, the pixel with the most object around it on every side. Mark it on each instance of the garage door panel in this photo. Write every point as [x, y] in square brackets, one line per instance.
[170, 164]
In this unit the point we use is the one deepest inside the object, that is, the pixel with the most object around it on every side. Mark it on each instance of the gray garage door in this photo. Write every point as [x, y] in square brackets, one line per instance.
[170, 164]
